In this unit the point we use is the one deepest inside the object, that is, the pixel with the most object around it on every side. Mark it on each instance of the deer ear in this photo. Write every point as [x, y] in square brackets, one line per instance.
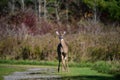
[57, 33]
[64, 32]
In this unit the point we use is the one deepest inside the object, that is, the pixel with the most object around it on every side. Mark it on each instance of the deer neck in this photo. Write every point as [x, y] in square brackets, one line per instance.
[62, 42]
[64, 46]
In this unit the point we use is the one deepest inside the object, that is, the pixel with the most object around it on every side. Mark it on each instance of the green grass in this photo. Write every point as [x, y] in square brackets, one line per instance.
[87, 70]
[6, 69]
[75, 73]
[28, 62]
[44, 63]
[101, 66]
[85, 73]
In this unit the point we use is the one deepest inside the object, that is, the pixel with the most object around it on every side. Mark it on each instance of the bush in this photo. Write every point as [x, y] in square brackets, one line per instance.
[102, 66]
[115, 69]
[106, 67]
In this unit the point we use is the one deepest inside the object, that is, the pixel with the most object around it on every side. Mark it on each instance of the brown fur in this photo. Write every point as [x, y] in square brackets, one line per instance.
[62, 51]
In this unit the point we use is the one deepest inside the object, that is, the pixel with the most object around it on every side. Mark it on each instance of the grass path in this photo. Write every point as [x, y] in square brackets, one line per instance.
[75, 73]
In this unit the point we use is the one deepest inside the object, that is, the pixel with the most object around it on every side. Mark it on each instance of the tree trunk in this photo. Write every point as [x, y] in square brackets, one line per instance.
[36, 8]
[95, 11]
[67, 17]
[23, 5]
[39, 9]
[45, 10]
[13, 6]
[57, 13]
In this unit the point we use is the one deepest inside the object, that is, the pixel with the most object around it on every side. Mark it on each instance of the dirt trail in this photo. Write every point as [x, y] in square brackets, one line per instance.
[34, 74]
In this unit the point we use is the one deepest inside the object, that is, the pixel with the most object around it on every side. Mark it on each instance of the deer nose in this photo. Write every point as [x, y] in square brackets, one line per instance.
[60, 37]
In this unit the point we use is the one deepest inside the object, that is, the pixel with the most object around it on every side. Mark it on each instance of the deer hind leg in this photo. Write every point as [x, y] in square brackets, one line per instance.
[66, 62]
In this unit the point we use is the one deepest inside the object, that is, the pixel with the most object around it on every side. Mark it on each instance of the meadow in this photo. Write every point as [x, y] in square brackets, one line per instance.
[85, 71]
[28, 38]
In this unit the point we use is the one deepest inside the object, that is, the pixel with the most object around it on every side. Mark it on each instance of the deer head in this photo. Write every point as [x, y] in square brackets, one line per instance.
[60, 35]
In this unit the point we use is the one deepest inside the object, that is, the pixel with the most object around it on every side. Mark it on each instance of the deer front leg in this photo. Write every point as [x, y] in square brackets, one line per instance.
[66, 62]
[63, 63]
[59, 65]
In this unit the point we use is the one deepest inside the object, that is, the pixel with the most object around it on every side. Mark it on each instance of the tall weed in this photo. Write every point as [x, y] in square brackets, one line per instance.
[87, 41]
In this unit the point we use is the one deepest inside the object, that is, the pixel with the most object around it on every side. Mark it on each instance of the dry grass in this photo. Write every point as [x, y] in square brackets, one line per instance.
[87, 41]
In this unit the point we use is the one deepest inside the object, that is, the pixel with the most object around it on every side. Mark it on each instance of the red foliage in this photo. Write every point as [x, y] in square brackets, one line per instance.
[45, 27]
[27, 17]
[30, 19]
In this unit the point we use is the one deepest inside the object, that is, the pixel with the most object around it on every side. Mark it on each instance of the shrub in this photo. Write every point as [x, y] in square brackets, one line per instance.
[106, 67]
[102, 66]
[115, 69]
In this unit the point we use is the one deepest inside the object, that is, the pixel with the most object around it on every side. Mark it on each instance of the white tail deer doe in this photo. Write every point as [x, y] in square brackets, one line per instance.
[62, 51]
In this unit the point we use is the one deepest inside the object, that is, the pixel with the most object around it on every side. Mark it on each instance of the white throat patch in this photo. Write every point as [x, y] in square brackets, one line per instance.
[61, 39]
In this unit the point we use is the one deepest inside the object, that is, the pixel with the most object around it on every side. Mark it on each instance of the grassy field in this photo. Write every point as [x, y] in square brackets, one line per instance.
[6, 69]
[75, 73]
[85, 73]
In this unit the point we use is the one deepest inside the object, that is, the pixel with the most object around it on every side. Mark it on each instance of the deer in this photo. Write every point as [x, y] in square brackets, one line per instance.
[62, 50]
